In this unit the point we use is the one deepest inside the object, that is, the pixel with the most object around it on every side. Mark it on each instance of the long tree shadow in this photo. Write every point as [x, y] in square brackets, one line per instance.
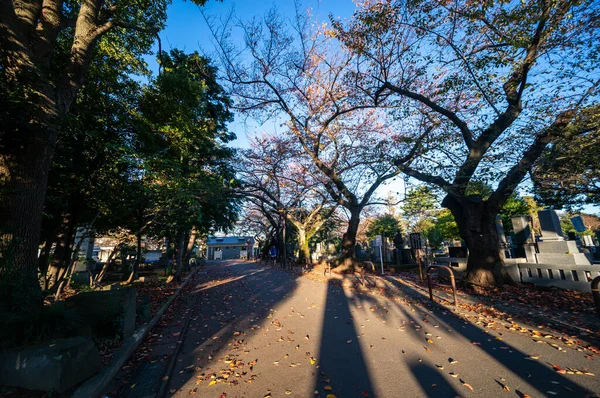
[585, 323]
[431, 381]
[342, 364]
[531, 372]
[226, 309]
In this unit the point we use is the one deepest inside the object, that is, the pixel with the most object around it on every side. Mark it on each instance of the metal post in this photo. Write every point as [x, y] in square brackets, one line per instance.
[381, 259]
[284, 243]
[452, 281]
[596, 294]
[418, 254]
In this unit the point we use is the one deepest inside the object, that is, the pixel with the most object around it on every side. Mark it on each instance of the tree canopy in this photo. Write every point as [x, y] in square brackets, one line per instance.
[488, 77]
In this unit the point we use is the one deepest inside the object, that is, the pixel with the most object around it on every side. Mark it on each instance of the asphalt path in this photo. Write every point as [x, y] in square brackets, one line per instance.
[257, 331]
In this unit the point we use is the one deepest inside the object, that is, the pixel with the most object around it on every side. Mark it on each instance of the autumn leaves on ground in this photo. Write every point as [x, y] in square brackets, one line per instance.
[251, 330]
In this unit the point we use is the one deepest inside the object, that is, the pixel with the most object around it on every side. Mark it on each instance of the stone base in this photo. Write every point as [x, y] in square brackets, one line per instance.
[55, 366]
[563, 259]
[558, 246]
[527, 251]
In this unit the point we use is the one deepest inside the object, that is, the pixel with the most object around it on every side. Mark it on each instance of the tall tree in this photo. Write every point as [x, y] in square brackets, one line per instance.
[418, 203]
[386, 225]
[272, 172]
[288, 71]
[92, 163]
[502, 79]
[186, 111]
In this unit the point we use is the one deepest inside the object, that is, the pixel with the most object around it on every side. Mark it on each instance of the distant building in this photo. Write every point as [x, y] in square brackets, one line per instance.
[229, 247]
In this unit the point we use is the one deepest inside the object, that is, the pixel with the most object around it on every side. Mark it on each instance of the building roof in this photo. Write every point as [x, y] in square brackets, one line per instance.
[229, 240]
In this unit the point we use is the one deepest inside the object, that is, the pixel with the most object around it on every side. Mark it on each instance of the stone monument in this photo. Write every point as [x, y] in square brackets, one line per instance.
[523, 239]
[552, 247]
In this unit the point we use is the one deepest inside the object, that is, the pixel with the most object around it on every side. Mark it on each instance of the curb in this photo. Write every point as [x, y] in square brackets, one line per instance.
[93, 388]
[164, 384]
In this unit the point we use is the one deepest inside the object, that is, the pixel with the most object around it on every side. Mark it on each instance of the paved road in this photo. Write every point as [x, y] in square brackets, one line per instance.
[259, 332]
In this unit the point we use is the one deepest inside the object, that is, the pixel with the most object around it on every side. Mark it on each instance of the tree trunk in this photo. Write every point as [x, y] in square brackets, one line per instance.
[138, 258]
[43, 262]
[190, 245]
[303, 249]
[179, 258]
[349, 240]
[63, 251]
[476, 222]
[100, 276]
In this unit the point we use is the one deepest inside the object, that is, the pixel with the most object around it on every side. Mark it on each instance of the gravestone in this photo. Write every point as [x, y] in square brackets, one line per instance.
[550, 225]
[523, 238]
[572, 235]
[578, 224]
[398, 245]
[522, 230]
[553, 248]
[460, 252]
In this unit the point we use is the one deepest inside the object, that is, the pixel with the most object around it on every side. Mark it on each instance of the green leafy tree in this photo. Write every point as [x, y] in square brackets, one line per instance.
[91, 163]
[46, 49]
[515, 205]
[185, 110]
[418, 203]
[568, 173]
[441, 228]
[386, 225]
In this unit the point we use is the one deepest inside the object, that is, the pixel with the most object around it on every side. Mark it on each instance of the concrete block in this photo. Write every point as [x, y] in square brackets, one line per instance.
[558, 246]
[106, 313]
[563, 259]
[55, 366]
[513, 271]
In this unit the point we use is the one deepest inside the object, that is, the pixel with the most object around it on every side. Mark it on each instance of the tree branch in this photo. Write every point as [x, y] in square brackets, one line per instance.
[516, 174]
[453, 117]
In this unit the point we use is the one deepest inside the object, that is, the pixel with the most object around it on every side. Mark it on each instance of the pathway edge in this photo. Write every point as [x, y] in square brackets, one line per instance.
[93, 387]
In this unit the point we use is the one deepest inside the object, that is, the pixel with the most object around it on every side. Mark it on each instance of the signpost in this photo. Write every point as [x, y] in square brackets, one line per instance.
[379, 242]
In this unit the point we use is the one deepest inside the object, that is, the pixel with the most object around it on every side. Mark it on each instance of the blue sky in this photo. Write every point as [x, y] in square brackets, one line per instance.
[188, 31]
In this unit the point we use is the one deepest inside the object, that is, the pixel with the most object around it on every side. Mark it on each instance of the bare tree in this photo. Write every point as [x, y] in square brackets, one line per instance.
[272, 173]
[301, 77]
[503, 79]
